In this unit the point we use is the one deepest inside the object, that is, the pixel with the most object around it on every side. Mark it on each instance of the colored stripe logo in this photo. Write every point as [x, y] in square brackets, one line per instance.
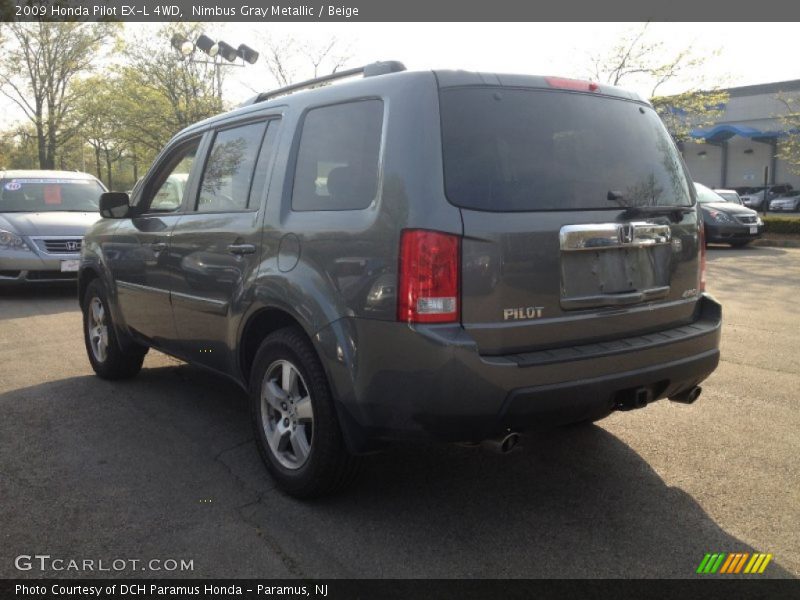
[734, 563]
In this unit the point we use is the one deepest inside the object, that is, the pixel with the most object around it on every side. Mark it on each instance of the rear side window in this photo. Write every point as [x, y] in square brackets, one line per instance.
[229, 169]
[337, 160]
[527, 150]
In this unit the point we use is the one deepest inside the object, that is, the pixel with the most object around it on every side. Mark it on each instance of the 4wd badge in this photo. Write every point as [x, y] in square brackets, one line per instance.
[524, 312]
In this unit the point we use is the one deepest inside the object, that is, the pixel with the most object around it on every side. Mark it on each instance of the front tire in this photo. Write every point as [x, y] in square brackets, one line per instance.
[294, 420]
[108, 359]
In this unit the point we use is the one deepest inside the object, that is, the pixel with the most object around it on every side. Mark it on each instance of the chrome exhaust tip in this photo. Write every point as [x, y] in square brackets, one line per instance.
[688, 396]
[503, 444]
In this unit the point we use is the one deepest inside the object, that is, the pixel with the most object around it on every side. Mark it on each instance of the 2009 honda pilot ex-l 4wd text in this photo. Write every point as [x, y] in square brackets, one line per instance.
[411, 255]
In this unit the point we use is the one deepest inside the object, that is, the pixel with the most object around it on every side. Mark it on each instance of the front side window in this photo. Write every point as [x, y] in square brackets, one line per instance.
[338, 157]
[229, 168]
[170, 183]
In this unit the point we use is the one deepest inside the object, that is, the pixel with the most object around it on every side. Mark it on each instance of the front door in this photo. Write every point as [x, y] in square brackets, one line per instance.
[141, 260]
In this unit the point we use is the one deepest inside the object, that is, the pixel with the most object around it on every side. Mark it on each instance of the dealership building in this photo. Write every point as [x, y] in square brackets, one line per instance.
[735, 150]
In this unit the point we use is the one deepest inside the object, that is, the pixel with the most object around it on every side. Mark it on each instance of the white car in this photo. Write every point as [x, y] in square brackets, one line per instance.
[790, 203]
[730, 196]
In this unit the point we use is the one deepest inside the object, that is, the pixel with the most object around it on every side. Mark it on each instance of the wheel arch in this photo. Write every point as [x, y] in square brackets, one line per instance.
[266, 320]
[257, 327]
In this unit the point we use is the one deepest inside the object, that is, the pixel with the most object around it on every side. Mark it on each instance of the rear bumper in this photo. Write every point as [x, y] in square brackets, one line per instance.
[396, 382]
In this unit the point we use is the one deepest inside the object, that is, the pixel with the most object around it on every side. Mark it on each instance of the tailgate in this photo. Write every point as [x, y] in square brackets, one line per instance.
[562, 279]
[579, 217]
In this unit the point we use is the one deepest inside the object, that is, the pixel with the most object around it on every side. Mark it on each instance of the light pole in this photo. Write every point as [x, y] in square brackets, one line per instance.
[235, 57]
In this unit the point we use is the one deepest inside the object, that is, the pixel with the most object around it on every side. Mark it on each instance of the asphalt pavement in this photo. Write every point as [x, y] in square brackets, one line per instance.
[164, 467]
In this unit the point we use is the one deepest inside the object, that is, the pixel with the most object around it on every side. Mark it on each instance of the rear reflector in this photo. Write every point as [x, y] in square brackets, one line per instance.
[428, 277]
[579, 85]
[701, 239]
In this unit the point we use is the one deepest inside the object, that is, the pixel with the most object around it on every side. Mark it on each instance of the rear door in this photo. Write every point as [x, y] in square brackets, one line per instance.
[579, 223]
[216, 244]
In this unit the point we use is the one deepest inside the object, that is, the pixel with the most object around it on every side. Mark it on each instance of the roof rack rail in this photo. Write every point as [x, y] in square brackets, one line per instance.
[370, 70]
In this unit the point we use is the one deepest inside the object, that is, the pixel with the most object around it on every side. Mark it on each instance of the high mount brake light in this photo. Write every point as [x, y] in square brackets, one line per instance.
[428, 283]
[578, 85]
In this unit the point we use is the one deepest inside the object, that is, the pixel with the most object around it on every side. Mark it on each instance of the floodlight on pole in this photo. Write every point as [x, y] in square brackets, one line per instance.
[247, 54]
[184, 46]
[207, 45]
[227, 51]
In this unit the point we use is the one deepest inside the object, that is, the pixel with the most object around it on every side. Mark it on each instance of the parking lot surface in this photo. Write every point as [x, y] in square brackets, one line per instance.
[164, 467]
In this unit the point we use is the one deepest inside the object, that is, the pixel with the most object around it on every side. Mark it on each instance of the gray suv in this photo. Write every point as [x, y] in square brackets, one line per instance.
[411, 256]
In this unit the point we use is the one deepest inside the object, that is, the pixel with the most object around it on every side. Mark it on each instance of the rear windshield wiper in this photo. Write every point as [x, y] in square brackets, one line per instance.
[674, 212]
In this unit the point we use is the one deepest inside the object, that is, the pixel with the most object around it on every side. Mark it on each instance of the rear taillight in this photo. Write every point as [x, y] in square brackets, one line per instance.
[701, 240]
[428, 277]
[578, 85]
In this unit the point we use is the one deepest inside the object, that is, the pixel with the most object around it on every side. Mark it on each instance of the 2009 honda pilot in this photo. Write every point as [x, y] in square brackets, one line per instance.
[432, 255]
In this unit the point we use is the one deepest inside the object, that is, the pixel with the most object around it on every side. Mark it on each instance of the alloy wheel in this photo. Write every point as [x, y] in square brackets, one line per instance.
[287, 416]
[98, 330]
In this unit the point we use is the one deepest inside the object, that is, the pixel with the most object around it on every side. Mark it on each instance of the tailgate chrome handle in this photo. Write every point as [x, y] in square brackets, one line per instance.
[623, 299]
[598, 236]
[240, 249]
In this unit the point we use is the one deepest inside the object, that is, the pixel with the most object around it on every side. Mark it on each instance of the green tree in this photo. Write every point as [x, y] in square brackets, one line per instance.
[789, 146]
[638, 58]
[42, 61]
[157, 94]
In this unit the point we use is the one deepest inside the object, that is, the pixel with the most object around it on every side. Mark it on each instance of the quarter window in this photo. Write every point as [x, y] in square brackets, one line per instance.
[229, 169]
[338, 155]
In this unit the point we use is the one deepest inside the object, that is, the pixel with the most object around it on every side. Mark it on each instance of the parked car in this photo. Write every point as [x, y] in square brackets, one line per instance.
[43, 217]
[727, 222]
[493, 255]
[729, 196]
[788, 203]
[755, 199]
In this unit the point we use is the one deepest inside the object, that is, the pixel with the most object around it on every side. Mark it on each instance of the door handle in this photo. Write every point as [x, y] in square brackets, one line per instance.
[240, 249]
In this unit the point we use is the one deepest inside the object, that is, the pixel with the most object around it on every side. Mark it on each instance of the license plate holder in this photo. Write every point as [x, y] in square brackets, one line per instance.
[753, 229]
[70, 266]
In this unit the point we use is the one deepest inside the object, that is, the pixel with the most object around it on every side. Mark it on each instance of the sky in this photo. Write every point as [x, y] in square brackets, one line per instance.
[738, 53]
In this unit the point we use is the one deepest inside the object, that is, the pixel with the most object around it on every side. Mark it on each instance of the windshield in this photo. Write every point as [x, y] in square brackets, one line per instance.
[707, 196]
[525, 150]
[730, 197]
[31, 194]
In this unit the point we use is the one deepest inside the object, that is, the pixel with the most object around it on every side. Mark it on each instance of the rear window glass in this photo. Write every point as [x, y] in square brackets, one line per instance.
[337, 161]
[32, 194]
[526, 150]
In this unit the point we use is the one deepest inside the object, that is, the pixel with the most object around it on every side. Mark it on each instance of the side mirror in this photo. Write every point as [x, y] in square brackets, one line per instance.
[114, 205]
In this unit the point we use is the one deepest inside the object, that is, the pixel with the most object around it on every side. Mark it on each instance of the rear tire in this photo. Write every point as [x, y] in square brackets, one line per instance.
[106, 356]
[294, 419]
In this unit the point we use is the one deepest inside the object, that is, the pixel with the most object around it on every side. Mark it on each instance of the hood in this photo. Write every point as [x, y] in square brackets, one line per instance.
[48, 223]
[728, 207]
